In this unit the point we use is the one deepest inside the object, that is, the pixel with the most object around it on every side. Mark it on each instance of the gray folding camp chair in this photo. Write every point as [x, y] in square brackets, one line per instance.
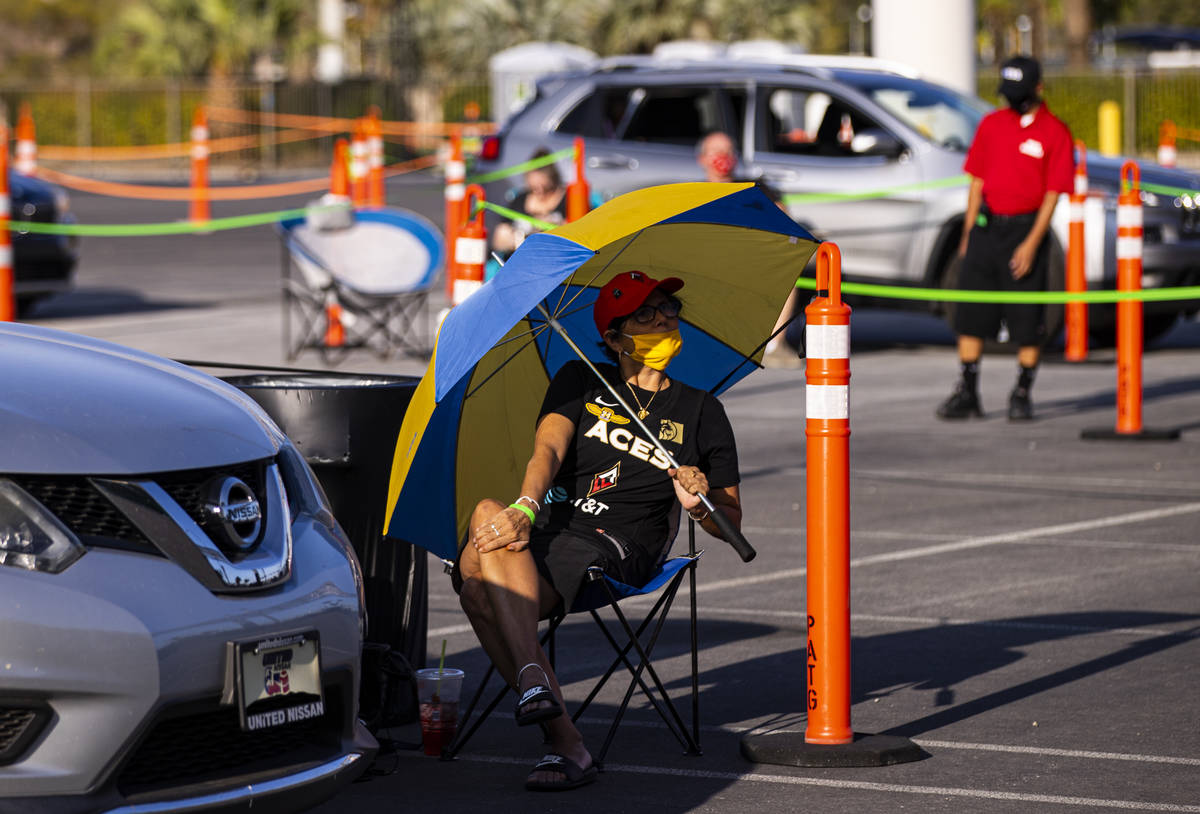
[378, 269]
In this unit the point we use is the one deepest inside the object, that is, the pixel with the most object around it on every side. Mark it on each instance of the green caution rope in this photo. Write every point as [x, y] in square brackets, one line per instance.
[513, 214]
[531, 164]
[1189, 292]
[146, 229]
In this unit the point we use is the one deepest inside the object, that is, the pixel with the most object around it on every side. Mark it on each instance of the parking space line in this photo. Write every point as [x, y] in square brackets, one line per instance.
[865, 785]
[1048, 751]
[968, 543]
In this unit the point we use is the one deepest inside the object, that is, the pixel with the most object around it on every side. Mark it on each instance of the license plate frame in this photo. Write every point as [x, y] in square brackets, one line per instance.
[268, 669]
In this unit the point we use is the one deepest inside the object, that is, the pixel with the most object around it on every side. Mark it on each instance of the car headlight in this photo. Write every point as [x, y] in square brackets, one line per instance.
[304, 492]
[30, 536]
[305, 495]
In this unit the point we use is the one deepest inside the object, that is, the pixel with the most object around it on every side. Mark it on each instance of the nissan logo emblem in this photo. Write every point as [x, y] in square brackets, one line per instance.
[233, 512]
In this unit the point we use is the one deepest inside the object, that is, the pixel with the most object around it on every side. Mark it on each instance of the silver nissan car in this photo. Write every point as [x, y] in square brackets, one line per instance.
[182, 614]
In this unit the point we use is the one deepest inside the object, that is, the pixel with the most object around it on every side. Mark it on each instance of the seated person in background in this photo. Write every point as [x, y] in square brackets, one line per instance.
[526, 560]
[544, 198]
[715, 153]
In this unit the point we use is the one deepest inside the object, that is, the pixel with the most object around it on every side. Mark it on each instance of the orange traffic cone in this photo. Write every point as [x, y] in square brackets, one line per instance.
[578, 191]
[26, 163]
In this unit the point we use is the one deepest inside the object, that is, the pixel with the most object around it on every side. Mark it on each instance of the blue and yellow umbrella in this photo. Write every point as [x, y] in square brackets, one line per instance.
[468, 432]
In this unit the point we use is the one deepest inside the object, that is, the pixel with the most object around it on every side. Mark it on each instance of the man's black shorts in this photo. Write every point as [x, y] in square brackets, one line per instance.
[985, 268]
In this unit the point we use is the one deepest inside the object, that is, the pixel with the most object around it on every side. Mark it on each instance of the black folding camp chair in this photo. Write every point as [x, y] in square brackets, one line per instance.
[605, 592]
[377, 268]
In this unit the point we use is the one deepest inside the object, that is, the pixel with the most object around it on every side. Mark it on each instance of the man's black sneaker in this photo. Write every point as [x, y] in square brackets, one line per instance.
[962, 403]
[1020, 408]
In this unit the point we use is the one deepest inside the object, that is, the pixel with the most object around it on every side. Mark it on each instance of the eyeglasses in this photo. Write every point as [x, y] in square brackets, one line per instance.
[669, 308]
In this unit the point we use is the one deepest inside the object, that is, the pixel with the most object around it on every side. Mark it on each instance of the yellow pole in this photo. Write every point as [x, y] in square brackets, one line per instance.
[1110, 128]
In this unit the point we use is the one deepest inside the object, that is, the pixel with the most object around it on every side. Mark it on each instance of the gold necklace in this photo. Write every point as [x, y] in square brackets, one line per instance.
[643, 411]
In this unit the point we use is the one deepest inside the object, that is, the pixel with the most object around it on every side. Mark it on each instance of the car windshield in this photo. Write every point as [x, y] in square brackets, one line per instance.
[942, 115]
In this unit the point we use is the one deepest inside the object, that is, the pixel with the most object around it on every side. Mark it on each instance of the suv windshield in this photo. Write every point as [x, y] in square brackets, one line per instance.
[942, 115]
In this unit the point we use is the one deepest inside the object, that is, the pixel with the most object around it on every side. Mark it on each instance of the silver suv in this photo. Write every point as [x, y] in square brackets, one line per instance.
[182, 615]
[865, 153]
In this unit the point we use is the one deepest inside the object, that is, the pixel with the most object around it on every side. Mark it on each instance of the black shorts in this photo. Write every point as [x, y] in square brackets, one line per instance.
[985, 268]
[563, 557]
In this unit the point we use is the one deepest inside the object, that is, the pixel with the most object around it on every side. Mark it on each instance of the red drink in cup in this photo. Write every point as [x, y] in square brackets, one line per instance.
[437, 692]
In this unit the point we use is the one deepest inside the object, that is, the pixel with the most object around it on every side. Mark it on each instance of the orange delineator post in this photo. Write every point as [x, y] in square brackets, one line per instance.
[339, 182]
[26, 163]
[1076, 314]
[8, 308]
[456, 212]
[358, 163]
[1167, 133]
[578, 191]
[199, 211]
[375, 190]
[1129, 312]
[827, 429]
[470, 248]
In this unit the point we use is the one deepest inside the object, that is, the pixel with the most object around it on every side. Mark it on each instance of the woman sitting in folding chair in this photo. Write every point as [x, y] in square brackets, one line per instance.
[594, 493]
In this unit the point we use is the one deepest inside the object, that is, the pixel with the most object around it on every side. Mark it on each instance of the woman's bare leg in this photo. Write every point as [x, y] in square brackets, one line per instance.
[505, 597]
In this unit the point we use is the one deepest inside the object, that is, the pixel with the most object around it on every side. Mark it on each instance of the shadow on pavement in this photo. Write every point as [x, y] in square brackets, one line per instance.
[93, 302]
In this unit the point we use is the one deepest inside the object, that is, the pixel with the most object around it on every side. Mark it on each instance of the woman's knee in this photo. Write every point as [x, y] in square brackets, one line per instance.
[485, 510]
[474, 599]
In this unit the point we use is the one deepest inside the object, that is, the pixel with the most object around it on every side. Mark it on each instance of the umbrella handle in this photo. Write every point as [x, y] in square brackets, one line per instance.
[731, 534]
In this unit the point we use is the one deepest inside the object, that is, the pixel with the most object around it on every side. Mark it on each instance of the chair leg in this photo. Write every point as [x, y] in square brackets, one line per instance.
[644, 655]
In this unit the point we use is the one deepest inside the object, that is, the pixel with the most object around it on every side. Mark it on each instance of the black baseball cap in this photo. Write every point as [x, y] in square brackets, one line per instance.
[1019, 77]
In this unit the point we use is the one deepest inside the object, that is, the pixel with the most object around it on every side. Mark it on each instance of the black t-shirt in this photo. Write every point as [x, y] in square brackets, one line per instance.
[612, 477]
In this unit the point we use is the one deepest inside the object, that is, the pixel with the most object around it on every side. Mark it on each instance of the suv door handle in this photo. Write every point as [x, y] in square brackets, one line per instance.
[612, 162]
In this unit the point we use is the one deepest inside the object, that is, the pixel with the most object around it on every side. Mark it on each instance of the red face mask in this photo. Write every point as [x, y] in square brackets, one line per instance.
[722, 163]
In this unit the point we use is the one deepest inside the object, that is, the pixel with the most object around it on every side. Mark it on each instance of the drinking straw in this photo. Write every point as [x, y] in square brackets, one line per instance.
[441, 664]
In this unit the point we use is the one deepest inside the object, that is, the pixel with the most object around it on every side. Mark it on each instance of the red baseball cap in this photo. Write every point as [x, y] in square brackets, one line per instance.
[625, 293]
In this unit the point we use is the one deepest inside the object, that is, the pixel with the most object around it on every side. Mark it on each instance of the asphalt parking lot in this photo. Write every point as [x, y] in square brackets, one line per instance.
[1025, 605]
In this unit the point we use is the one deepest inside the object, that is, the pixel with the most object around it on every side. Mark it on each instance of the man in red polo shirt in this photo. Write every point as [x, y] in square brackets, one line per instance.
[1021, 160]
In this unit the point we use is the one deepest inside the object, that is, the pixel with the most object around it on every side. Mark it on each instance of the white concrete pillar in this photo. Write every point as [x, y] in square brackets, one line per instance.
[331, 24]
[937, 37]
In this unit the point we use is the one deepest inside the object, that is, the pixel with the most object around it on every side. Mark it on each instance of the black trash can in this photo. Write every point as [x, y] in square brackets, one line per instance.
[345, 425]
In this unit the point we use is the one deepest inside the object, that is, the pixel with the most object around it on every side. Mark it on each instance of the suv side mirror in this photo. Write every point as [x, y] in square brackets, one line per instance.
[874, 141]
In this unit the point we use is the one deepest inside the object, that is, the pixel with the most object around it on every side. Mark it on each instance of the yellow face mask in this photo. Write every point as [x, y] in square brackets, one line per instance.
[655, 350]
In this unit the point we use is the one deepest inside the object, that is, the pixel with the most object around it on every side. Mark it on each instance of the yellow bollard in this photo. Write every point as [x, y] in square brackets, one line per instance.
[1110, 128]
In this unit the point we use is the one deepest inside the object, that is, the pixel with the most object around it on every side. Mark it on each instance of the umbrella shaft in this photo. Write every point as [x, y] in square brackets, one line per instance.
[558, 329]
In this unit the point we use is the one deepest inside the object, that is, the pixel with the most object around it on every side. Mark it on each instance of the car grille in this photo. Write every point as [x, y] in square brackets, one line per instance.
[181, 749]
[19, 725]
[82, 509]
[85, 511]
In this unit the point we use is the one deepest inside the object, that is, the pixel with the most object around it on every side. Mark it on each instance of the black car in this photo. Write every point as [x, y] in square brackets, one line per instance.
[42, 264]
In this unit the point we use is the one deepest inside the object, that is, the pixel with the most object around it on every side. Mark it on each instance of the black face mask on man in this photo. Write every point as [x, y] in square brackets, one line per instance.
[1022, 103]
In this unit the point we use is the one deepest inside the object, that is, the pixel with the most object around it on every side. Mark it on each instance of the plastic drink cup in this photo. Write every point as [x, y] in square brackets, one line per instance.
[437, 694]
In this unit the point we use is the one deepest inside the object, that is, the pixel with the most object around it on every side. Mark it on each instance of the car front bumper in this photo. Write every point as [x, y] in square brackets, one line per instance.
[128, 652]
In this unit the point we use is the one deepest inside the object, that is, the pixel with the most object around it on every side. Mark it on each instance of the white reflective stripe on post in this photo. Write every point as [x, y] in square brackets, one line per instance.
[5, 256]
[455, 171]
[1129, 248]
[464, 289]
[1167, 156]
[827, 341]
[470, 250]
[827, 401]
[1129, 216]
[5, 211]
[375, 148]
[455, 192]
[1076, 212]
[1081, 185]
